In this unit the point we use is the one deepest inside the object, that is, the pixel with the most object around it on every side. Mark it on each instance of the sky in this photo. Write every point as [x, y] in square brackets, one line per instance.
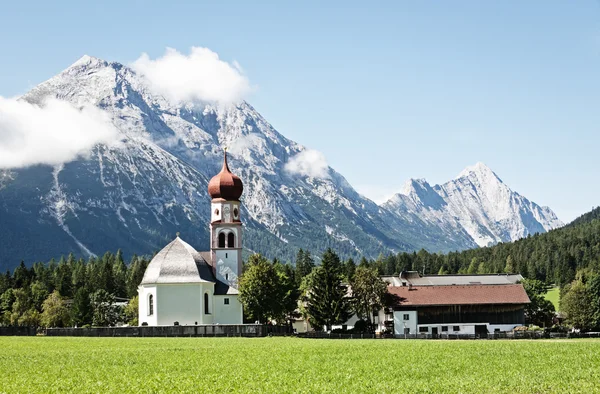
[387, 91]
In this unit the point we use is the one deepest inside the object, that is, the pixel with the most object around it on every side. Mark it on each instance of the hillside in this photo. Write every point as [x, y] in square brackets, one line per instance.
[553, 257]
[137, 195]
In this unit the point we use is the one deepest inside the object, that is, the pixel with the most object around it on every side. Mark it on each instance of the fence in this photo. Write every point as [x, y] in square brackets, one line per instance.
[218, 330]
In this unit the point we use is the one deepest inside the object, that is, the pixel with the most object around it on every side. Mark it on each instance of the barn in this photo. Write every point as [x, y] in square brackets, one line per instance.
[441, 305]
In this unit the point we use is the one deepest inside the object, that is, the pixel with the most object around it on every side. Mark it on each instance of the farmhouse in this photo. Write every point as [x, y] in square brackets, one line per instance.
[184, 286]
[456, 304]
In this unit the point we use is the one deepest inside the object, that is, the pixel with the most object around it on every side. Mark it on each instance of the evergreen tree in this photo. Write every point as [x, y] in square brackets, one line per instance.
[81, 310]
[304, 264]
[259, 290]
[327, 300]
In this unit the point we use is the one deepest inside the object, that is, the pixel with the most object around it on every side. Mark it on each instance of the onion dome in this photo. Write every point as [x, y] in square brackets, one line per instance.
[225, 185]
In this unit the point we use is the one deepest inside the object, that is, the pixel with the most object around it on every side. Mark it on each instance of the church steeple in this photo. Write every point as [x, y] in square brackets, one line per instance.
[225, 184]
[225, 190]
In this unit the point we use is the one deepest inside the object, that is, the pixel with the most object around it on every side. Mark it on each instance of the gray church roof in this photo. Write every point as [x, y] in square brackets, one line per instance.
[179, 262]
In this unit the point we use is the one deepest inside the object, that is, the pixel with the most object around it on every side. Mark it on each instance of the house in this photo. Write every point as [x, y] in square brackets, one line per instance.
[456, 304]
[186, 287]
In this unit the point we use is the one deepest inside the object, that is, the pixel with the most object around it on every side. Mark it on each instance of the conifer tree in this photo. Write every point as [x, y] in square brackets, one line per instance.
[327, 301]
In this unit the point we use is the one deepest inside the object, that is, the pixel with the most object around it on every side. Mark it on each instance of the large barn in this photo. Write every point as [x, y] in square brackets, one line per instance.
[456, 304]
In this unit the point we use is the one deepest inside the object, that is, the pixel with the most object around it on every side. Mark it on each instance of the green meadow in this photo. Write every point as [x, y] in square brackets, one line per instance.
[553, 295]
[291, 365]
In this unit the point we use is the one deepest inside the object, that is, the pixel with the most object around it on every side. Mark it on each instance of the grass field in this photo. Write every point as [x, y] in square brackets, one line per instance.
[553, 295]
[207, 365]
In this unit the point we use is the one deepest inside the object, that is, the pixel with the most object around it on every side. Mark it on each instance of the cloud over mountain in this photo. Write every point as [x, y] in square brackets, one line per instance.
[199, 76]
[309, 162]
[53, 133]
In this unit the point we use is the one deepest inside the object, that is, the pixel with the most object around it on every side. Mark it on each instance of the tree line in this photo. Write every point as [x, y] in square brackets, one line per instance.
[72, 292]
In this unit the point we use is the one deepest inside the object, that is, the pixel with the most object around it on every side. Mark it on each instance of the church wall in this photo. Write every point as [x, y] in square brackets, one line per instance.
[227, 314]
[228, 265]
[180, 303]
[143, 293]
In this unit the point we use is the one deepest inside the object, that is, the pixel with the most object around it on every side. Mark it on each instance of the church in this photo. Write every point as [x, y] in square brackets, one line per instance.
[186, 287]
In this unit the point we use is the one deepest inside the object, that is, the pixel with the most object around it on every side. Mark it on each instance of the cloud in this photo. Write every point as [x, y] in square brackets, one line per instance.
[308, 163]
[248, 141]
[53, 133]
[199, 76]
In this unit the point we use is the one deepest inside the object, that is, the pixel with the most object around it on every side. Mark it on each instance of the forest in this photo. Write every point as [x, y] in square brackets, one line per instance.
[102, 290]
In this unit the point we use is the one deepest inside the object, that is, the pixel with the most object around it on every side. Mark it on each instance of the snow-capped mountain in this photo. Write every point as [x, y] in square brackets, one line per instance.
[477, 205]
[138, 194]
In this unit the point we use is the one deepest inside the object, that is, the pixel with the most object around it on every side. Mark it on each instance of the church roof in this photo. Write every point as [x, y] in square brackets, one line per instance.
[179, 262]
[225, 184]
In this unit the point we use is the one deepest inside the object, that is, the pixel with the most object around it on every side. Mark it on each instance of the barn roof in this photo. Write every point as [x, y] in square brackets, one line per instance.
[459, 295]
[416, 279]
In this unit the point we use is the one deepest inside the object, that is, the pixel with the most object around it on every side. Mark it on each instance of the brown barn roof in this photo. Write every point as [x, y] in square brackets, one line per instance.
[459, 295]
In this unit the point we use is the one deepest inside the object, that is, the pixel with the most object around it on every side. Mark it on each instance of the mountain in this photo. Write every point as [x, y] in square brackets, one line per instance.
[137, 195]
[476, 206]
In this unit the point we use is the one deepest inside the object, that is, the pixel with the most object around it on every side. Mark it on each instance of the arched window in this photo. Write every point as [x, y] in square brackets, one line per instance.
[150, 305]
[206, 310]
[221, 240]
[231, 240]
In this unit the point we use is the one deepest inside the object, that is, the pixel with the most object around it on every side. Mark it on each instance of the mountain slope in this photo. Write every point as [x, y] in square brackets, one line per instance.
[138, 194]
[476, 205]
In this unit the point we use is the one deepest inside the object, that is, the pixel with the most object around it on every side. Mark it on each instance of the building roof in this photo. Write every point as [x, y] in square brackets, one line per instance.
[416, 279]
[178, 263]
[459, 295]
[225, 185]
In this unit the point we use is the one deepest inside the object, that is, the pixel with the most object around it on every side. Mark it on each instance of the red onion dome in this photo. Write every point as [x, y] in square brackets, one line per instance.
[225, 185]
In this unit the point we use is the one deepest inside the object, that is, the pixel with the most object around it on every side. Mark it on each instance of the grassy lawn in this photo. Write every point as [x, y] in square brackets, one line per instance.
[553, 295]
[101, 365]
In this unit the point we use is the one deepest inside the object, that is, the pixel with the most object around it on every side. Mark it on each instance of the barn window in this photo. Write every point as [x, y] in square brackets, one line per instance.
[226, 301]
[206, 310]
[406, 316]
[150, 305]
[423, 329]
[444, 328]
[231, 240]
[456, 328]
[221, 240]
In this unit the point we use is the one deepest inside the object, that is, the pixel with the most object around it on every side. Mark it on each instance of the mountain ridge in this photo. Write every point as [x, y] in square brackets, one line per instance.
[154, 184]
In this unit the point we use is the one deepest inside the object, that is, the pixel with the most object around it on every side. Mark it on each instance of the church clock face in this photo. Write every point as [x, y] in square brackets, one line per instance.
[226, 214]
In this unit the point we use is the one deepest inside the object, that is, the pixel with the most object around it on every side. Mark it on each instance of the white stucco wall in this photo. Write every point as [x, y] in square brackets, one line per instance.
[143, 317]
[400, 322]
[183, 303]
[227, 314]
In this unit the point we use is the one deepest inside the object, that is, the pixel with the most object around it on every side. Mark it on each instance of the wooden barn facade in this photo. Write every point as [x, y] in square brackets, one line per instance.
[457, 304]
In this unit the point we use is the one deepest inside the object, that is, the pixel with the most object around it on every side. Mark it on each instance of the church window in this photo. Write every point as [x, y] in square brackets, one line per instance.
[226, 301]
[235, 213]
[217, 211]
[206, 310]
[150, 305]
[231, 240]
[221, 240]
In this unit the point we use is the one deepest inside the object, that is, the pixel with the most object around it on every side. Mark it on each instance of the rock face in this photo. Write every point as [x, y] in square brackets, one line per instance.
[137, 195]
[477, 205]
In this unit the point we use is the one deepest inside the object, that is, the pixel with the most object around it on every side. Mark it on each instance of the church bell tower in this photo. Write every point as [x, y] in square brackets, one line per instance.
[225, 190]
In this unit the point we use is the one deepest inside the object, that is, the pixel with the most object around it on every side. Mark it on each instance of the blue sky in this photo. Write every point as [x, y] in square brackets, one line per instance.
[386, 90]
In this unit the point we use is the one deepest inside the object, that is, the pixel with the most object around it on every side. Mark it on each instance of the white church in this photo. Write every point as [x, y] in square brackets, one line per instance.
[187, 287]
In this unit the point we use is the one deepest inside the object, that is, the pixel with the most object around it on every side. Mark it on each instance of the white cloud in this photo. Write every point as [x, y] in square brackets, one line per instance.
[248, 141]
[199, 76]
[308, 163]
[53, 133]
